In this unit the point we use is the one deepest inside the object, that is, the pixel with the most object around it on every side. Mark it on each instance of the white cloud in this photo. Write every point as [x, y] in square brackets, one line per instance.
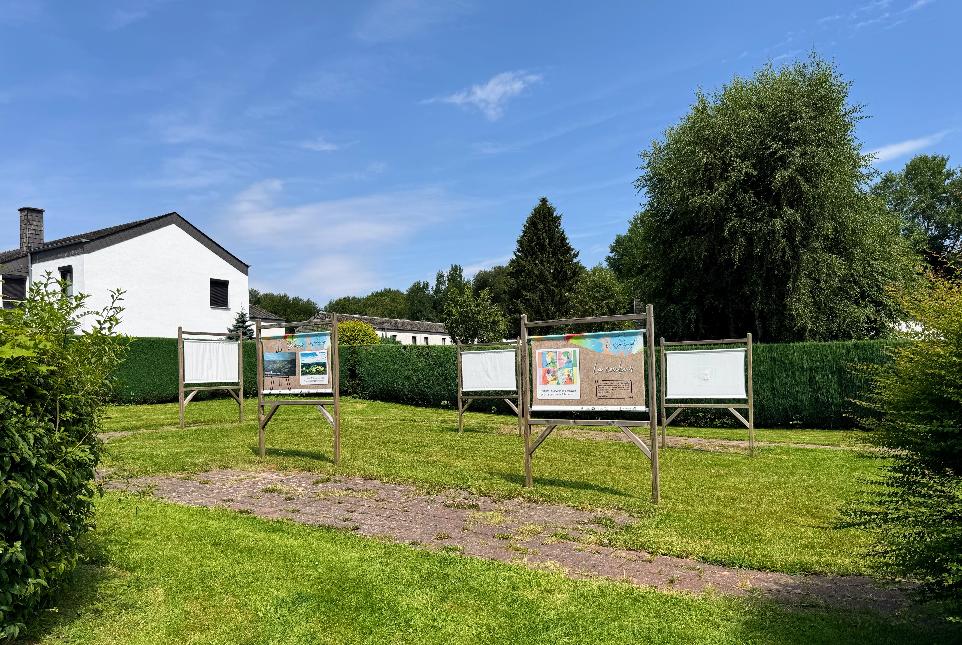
[335, 247]
[321, 144]
[490, 97]
[483, 265]
[390, 20]
[907, 147]
[131, 12]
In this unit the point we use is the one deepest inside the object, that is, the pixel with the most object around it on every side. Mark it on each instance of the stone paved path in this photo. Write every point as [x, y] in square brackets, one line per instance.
[514, 530]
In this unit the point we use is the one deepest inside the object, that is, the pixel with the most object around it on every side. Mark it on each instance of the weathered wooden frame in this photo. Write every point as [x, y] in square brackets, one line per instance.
[749, 401]
[650, 450]
[266, 409]
[186, 393]
[465, 400]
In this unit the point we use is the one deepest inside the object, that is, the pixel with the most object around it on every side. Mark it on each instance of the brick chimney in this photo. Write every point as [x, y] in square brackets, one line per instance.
[31, 227]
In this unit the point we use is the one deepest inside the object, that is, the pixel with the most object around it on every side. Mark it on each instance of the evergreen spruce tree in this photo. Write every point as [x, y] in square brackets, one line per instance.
[242, 327]
[544, 268]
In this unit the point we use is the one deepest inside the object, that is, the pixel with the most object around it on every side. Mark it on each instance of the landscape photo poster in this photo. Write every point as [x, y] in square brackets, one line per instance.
[297, 363]
[590, 371]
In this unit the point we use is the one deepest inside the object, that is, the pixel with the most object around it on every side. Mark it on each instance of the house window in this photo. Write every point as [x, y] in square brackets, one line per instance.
[426, 340]
[393, 336]
[66, 279]
[14, 290]
[414, 340]
[444, 341]
[218, 293]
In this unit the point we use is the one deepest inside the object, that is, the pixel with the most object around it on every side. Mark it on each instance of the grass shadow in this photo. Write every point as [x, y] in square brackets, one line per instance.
[298, 453]
[518, 479]
[77, 590]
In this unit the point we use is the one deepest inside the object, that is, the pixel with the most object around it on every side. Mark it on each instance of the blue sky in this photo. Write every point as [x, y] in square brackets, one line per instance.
[342, 147]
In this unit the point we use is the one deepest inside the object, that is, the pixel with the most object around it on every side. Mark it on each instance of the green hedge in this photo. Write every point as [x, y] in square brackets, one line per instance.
[805, 384]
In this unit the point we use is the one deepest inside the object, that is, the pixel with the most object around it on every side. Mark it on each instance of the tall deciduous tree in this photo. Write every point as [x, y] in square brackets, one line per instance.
[759, 219]
[927, 196]
[544, 267]
[471, 318]
[383, 303]
[420, 302]
[497, 280]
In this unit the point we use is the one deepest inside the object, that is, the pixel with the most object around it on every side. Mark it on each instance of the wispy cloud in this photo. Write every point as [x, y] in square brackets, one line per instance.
[472, 269]
[197, 168]
[323, 144]
[391, 20]
[334, 245]
[907, 147]
[491, 96]
[131, 11]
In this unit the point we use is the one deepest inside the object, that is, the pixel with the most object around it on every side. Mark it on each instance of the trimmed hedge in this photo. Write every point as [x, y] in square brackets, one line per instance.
[805, 384]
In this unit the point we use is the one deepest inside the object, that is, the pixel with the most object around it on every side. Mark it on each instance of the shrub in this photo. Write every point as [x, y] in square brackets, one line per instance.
[356, 332]
[54, 380]
[915, 511]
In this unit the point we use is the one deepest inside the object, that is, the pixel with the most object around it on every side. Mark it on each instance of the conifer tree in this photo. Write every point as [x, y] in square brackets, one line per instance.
[242, 327]
[544, 268]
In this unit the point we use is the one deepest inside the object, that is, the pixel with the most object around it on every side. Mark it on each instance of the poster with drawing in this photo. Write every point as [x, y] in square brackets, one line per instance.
[590, 371]
[558, 376]
[297, 363]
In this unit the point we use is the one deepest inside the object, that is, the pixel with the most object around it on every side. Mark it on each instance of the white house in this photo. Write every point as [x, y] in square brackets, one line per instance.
[171, 272]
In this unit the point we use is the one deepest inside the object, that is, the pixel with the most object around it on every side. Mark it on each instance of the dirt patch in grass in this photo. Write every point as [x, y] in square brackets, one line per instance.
[513, 530]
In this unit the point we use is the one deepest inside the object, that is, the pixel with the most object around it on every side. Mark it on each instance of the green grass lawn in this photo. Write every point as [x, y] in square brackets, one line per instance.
[777, 510]
[159, 573]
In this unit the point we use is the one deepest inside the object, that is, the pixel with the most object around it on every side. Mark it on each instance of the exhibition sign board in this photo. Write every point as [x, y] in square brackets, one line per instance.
[210, 361]
[489, 370]
[593, 371]
[297, 363]
[706, 374]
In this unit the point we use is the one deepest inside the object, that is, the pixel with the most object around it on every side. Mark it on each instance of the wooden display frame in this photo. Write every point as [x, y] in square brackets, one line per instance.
[186, 393]
[749, 401]
[266, 409]
[465, 400]
[625, 425]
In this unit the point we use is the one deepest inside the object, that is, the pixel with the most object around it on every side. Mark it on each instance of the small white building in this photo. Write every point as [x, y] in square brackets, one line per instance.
[171, 272]
[406, 332]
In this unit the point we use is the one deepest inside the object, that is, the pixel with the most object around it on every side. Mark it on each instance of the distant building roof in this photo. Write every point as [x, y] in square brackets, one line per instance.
[94, 240]
[389, 324]
[259, 313]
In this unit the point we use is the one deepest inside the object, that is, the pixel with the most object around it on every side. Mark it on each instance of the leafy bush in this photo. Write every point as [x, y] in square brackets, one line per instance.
[916, 510]
[54, 381]
[356, 332]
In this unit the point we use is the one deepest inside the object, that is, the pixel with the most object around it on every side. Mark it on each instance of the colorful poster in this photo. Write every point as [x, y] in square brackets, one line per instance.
[313, 368]
[591, 371]
[297, 363]
[558, 374]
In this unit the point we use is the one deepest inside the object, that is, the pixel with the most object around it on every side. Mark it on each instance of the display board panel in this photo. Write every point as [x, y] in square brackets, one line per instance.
[210, 361]
[297, 363]
[489, 370]
[706, 374]
[590, 371]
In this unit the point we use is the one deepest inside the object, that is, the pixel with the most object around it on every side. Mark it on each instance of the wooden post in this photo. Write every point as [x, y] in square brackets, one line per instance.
[664, 385]
[457, 347]
[240, 375]
[751, 400]
[652, 405]
[180, 373]
[525, 400]
[336, 382]
[517, 383]
[258, 347]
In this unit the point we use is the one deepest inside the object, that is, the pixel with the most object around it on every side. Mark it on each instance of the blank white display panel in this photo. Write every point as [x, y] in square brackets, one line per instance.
[489, 370]
[706, 374]
[210, 361]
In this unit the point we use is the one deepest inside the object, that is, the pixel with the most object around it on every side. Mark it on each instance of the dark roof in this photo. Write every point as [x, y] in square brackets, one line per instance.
[259, 313]
[94, 240]
[389, 324]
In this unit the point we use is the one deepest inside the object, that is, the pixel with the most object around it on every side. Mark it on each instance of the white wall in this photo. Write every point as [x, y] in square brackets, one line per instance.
[404, 337]
[166, 275]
